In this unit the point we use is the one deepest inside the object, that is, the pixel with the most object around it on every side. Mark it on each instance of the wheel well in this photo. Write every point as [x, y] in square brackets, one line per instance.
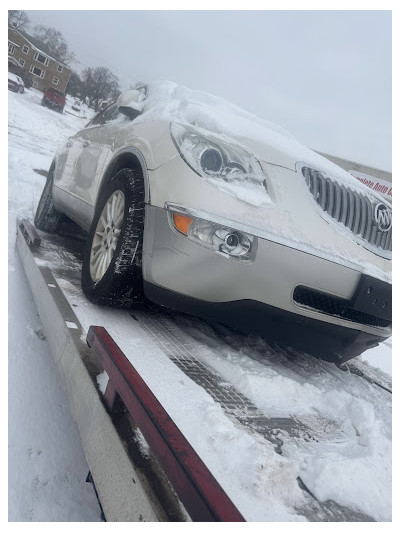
[126, 160]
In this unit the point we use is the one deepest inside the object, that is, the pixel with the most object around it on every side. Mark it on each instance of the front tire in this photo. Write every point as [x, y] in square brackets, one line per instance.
[47, 218]
[112, 260]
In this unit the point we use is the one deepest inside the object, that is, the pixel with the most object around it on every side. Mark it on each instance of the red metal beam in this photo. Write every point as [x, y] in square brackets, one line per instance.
[200, 493]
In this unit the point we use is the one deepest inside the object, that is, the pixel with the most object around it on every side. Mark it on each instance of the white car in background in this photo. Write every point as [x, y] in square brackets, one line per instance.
[15, 83]
[76, 106]
[200, 206]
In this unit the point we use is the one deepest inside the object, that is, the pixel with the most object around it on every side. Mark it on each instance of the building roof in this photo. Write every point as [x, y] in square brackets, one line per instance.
[41, 47]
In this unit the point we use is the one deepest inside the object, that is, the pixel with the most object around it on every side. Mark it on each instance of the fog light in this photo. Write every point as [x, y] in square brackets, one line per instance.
[236, 243]
[228, 242]
[232, 240]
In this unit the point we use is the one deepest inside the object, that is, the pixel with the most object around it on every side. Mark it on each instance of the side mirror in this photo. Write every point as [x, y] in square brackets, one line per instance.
[128, 103]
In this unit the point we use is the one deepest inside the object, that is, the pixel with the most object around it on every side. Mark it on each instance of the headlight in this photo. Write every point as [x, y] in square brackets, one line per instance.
[213, 158]
[226, 241]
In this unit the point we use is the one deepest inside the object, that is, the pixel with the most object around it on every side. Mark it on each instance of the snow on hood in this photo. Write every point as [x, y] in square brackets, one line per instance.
[269, 142]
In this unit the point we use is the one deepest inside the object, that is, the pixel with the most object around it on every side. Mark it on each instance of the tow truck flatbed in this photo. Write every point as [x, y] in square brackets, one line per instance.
[165, 356]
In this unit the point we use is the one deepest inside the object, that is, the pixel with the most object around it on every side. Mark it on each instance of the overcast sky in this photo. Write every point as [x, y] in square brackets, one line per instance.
[323, 75]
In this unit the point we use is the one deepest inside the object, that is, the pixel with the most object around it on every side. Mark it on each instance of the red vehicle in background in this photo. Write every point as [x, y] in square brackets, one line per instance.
[53, 99]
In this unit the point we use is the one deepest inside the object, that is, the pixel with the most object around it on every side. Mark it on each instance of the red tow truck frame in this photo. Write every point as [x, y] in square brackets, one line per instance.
[198, 490]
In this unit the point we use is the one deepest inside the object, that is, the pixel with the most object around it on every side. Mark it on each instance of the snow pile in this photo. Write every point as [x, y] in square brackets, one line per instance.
[261, 482]
[352, 461]
[252, 193]
[347, 455]
[380, 356]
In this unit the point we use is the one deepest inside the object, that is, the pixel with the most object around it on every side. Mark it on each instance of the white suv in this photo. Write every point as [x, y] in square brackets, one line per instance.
[198, 205]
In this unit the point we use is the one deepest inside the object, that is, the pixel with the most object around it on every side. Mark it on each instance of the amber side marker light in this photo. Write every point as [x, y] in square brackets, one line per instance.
[182, 223]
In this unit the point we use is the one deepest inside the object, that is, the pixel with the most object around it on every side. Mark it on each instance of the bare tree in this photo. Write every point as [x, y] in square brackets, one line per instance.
[74, 86]
[99, 84]
[55, 42]
[18, 19]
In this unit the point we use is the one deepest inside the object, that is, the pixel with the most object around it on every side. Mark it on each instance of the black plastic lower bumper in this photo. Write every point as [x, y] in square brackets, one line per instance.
[325, 341]
[371, 304]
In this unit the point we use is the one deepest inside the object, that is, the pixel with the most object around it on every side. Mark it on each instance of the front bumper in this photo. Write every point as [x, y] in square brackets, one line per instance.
[174, 263]
[51, 104]
[326, 341]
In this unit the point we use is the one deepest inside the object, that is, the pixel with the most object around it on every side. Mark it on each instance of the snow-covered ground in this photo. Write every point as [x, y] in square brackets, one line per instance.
[350, 463]
[47, 466]
[84, 112]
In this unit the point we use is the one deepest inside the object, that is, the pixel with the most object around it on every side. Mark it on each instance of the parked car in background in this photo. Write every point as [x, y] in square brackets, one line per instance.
[54, 99]
[76, 106]
[202, 207]
[102, 104]
[16, 68]
[15, 83]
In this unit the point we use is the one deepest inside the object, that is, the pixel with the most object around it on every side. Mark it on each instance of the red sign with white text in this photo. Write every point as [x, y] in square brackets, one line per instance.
[383, 187]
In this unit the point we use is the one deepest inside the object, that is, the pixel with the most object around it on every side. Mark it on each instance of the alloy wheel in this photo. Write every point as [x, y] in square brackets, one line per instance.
[106, 236]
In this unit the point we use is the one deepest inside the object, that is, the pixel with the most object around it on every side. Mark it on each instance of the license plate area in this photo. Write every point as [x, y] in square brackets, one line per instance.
[373, 297]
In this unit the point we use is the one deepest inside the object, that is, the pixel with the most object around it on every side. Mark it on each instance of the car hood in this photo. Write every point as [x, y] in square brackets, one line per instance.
[167, 101]
[272, 147]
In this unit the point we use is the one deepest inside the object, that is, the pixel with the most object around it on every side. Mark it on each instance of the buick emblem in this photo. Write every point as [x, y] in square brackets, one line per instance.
[383, 217]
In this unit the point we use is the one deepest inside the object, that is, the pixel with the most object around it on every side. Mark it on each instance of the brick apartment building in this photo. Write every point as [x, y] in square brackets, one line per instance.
[33, 56]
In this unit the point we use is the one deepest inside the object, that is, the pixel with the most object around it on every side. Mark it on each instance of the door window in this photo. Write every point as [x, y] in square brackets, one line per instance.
[108, 115]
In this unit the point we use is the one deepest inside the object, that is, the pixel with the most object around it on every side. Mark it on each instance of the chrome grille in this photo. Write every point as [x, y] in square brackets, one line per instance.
[353, 209]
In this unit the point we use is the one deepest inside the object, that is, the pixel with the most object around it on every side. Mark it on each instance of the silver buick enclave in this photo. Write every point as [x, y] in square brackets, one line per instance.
[200, 206]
